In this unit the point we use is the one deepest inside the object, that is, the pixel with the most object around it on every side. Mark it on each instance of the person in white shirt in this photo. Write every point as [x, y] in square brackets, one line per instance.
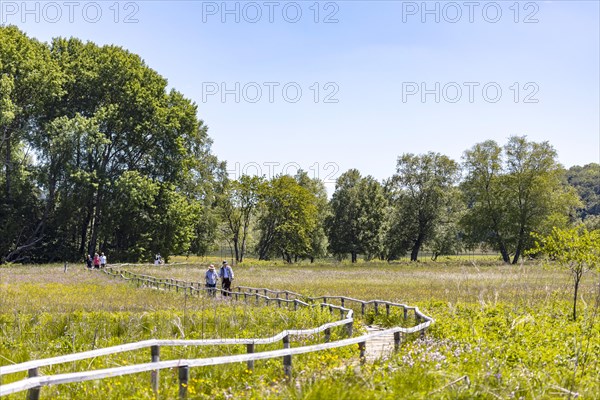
[226, 275]
[102, 260]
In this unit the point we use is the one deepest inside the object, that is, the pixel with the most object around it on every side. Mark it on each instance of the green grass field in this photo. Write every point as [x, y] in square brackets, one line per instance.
[505, 330]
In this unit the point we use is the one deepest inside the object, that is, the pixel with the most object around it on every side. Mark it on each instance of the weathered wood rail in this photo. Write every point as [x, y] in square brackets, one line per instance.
[34, 382]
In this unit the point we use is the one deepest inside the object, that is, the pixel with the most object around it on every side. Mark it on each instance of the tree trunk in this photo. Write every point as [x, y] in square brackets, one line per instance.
[414, 254]
[517, 254]
[243, 248]
[84, 229]
[504, 252]
[520, 245]
[236, 250]
[577, 279]
[96, 223]
[354, 257]
[8, 164]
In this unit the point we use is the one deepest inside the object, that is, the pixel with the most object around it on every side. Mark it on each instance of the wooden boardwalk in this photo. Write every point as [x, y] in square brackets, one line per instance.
[379, 347]
[377, 343]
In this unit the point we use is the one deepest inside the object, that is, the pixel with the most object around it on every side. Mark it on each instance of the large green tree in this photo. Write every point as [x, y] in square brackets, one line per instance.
[100, 122]
[28, 81]
[318, 236]
[238, 205]
[419, 192]
[512, 191]
[287, 218]
[357, 221]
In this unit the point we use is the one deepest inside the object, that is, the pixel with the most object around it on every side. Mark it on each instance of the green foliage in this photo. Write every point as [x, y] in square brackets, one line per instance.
[100, 122]
[28, 80]
[357, 221]
[446, 238]
[238, 205]
[513, 191]
[83, 124]
[576, 249]
[288, 217]
[419, 193]
[586, 180]
[318, 236]
[503, 330]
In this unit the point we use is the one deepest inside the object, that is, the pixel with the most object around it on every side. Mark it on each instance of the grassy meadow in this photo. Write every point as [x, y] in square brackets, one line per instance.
[500, 331]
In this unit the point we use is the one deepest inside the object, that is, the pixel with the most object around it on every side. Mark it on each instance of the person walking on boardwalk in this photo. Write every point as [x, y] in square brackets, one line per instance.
[211, 277]
[102, 260]
[226, 275]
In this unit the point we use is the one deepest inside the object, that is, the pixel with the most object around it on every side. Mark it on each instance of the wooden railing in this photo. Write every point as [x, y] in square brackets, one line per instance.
[34, 381]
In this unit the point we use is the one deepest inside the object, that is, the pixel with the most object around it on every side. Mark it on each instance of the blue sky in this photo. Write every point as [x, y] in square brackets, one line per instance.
[371, 60]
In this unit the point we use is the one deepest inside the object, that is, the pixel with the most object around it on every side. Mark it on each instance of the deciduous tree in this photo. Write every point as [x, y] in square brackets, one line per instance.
[419, 191]
[513, 191]
[357, 221]
[576, 249]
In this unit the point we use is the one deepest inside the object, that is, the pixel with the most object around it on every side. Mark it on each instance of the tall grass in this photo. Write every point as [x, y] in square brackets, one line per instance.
[500, 332]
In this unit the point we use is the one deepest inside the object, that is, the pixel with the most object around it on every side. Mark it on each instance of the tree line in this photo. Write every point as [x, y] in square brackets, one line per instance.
[99, 155]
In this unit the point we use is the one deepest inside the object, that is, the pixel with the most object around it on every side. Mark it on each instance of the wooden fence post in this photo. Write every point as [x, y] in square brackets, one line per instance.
[155, 354]
[350, 328]
[361, 350]
[287, 360]
[184, 377]
[387, 309]
[362, 309]
[376, 308]
[249, 350]
[396, 341]
[327, 335]
[405, 313]
[33, 393]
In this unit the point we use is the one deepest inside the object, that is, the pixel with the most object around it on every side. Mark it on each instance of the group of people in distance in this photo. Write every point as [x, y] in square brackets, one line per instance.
[225, 274]
[97, 262]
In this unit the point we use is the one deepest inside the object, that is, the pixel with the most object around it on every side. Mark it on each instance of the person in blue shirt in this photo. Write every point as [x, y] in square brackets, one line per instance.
[226, 275]
[211, 280]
